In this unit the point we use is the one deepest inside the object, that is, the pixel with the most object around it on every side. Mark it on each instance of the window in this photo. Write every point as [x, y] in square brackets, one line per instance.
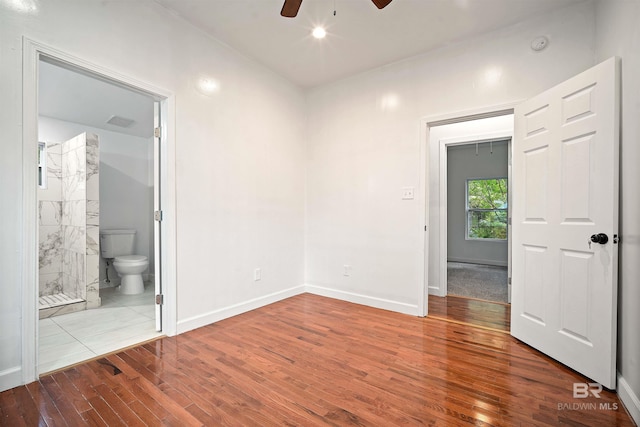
[487, 208]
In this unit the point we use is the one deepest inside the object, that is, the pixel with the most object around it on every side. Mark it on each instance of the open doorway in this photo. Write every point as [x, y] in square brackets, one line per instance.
[164, 153]
[97, 241]
[477, 220]
[469, 256]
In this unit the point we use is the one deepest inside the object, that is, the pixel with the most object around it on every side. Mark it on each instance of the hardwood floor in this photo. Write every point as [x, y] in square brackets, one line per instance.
[312, 361]
[485, 314]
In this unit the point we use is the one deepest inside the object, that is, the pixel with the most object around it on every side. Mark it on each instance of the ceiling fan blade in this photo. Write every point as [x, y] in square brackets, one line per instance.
[380, 4]
[290, 8]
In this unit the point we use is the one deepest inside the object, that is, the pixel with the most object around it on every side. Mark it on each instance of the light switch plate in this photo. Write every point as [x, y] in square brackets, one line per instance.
[407, 193]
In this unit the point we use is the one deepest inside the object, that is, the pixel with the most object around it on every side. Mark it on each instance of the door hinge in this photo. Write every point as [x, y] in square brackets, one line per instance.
[509, 221]
[157, 132]
[159, 299]
[509, 280]
[425, 228]
[157, 215]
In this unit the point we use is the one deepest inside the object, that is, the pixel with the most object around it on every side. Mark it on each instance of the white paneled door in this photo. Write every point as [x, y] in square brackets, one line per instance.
[565, 222]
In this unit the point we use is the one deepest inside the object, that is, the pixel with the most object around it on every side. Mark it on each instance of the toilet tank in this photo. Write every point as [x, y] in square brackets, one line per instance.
[117, 242]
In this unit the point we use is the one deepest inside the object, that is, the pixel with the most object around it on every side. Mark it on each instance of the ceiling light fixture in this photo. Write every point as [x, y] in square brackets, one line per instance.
[319, 33]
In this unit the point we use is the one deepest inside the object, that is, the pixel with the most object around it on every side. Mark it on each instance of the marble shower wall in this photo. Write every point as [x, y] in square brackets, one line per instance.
[50, 224]
[92, 221]
[69, 221]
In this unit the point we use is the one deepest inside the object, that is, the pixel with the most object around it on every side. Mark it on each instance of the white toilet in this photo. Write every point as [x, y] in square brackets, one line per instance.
[118, 245]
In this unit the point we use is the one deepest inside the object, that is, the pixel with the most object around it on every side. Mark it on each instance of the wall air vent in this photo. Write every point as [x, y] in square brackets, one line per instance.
[120, 121]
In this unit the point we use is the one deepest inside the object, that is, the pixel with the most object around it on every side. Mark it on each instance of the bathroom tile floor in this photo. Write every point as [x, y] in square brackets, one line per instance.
[121, 321]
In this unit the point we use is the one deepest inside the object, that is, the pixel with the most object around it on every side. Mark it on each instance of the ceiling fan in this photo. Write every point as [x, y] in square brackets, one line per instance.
[291, 7]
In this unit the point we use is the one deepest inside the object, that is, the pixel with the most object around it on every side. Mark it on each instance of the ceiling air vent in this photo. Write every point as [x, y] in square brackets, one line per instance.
[120, 121]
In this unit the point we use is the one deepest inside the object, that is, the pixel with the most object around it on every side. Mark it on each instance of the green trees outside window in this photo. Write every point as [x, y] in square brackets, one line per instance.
[487, 208]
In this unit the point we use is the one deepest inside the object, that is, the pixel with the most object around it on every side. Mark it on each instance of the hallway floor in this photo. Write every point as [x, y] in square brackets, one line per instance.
[485, 282]
[121, 321]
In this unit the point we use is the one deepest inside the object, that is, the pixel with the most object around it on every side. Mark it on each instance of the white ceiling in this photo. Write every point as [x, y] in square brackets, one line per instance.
[360, 37]
[74, 97]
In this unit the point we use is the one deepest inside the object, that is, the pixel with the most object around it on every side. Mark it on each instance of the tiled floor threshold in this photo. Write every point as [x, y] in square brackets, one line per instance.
[57, 300]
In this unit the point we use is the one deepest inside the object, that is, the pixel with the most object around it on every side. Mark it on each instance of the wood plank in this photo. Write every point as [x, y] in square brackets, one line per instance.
[150, 394]
[45, 405]
[105, 412]
[315, 361]
[62, 401]
[10, 412]
[469, 311]
[92, 418]
[123, 411]
[71, 392]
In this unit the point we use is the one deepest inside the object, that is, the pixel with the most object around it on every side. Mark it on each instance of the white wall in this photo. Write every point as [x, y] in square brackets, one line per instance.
[239, 165]
[126, 182]
[464, 164]
[618, 34]
[364, 146]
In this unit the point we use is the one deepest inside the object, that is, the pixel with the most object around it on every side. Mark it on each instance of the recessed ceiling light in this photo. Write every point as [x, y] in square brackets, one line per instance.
[319, 32]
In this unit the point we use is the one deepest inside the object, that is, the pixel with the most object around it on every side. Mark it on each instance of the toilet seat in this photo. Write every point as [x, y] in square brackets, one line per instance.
[130, 259]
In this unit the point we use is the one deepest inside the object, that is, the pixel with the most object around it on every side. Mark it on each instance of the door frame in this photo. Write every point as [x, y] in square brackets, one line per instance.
[32, 51]
[444, 144]
[426, 123]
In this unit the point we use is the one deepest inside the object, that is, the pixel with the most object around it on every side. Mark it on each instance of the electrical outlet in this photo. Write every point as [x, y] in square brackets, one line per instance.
[346, 270]
[257, 274]
[407, 193]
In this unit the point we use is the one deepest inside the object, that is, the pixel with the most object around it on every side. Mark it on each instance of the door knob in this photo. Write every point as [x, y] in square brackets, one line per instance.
[600, 238]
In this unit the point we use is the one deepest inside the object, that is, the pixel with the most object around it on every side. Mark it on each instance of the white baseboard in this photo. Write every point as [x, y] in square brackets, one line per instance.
[10, 378]
[479, 261]
[243, 307]
[233, 310]
[370, 301]
[435, 290]
[629, 398]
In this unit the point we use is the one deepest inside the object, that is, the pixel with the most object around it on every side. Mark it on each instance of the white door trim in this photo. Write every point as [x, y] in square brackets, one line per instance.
[32, 50]
[423, 191]
[426, 123]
